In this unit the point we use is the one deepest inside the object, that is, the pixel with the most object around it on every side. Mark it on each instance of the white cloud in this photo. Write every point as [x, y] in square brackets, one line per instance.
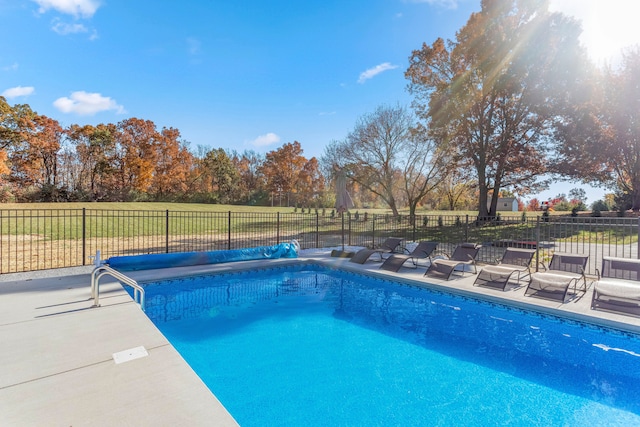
[64, 28]
[17, 91]
[12, 67]
[77, 8]
[87, 104]
[374, 71]
[267, 139]
[447, 4]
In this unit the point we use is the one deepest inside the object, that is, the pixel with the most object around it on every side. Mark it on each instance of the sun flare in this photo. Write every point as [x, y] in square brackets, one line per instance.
[608, 26]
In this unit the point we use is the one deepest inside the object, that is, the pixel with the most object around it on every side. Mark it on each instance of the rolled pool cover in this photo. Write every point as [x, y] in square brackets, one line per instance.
[183, 259]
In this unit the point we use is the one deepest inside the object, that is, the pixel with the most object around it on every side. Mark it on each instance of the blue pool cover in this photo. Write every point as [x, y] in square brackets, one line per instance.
[183, 259]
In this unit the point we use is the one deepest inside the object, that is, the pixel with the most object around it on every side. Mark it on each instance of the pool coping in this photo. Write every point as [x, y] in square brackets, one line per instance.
[57, 360]
[576, 310]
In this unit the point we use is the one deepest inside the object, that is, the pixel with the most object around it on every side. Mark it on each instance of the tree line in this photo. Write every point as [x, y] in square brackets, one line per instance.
[510, 104]
[134, 161]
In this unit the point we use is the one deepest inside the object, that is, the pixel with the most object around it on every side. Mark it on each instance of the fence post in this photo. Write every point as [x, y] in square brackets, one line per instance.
[349, 219]
[84, 236]
[414, 220]
[342, 217]
[229, 231]
[537, 241]
[278, 227]
[166, 228]
[373, 232]
[317, 229]
[466, 229]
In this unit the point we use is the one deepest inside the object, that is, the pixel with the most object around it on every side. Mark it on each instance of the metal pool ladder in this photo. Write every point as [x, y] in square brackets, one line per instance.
[104, 270]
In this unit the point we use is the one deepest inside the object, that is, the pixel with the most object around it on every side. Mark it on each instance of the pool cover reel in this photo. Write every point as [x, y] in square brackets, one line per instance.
[183, 259]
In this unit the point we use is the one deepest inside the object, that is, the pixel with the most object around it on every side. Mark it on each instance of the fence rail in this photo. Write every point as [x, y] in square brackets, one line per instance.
[38, 239]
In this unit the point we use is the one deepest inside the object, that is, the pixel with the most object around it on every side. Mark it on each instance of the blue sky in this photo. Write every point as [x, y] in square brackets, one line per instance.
[250, 74]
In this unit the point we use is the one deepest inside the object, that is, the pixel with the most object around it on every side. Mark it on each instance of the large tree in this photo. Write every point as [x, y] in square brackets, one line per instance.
[492, 96]
[91, 170]
[388, 154]
[136, 142]
[282, 168]
[219, 175]
[34, 154]
[250, 186]
[310, 184]
[602, 133]
[173, 166]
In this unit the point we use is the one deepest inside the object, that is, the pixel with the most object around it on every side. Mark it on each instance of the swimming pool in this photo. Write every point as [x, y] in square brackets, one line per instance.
[309, 345]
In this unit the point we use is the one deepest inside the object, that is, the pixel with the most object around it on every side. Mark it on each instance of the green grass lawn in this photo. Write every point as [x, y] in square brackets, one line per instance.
[38, 234]
[202, 207]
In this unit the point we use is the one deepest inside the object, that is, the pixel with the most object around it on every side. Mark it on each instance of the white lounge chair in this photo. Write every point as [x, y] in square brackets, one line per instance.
[565, 271]
[618, 287]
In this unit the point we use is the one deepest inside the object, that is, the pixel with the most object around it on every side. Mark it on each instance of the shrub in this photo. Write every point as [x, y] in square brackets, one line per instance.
[545, 215]
[599, 205]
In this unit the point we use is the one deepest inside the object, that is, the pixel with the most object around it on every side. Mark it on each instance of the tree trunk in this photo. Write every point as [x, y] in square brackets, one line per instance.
[412, 212]
[635, 197]
[483, 211]
[394, 208]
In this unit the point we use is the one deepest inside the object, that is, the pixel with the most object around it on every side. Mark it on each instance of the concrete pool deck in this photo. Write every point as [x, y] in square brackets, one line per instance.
[57, 363]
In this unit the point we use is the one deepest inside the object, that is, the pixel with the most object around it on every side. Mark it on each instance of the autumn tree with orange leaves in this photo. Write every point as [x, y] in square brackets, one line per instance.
[492, 97]
[173, 166]
[287, 172]
[8, 137]
[33, 153]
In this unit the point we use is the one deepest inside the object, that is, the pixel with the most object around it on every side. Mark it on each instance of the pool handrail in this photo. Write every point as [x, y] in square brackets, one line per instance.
[104, 270]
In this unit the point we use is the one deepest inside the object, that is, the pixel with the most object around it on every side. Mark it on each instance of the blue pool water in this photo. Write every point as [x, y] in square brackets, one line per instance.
[306, 345]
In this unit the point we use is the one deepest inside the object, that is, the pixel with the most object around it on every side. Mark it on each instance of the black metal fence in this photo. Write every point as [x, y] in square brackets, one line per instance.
[37, 239]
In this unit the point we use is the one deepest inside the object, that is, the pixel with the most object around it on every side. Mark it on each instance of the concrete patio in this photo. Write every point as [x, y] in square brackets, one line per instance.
[58, 364]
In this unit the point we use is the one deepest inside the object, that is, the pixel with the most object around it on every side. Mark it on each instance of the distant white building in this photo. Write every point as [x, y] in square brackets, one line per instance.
[508, 204]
